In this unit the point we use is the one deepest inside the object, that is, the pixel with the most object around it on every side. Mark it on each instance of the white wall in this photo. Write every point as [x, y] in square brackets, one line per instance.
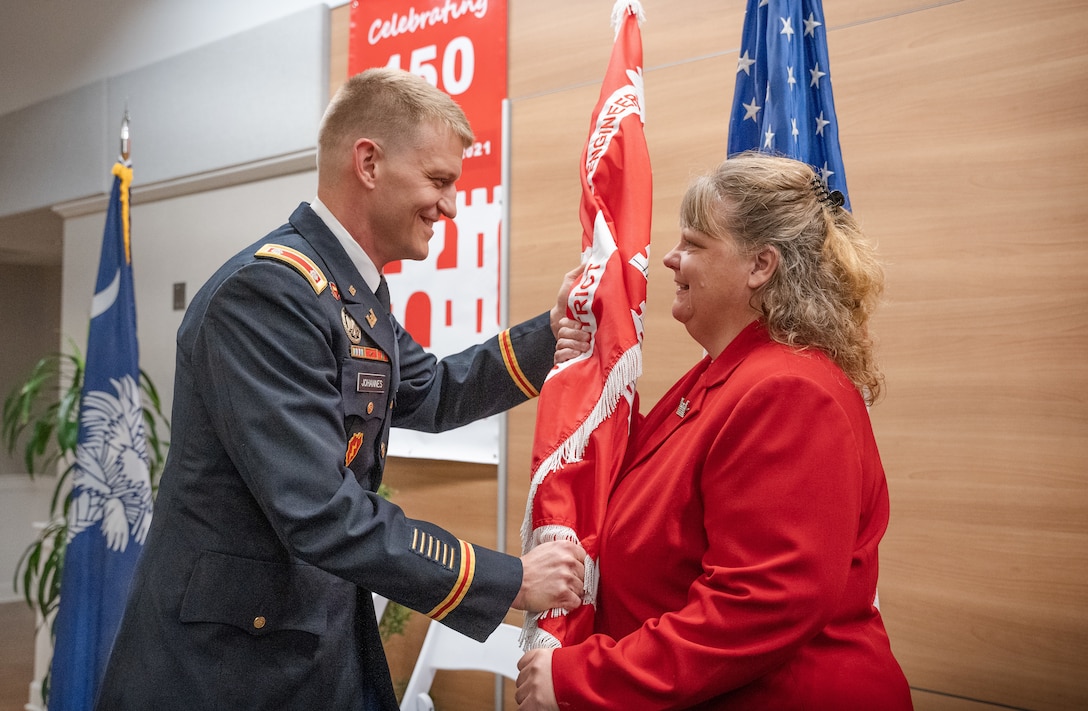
[236, 102]
[181, 239]
[48, 48]
[25, 502]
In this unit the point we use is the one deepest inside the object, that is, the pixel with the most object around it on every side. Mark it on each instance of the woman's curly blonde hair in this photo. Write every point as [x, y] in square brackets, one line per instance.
[828, 280]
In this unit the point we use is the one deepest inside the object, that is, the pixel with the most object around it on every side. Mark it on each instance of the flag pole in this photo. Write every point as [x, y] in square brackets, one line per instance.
[126, 142]
[107, 520]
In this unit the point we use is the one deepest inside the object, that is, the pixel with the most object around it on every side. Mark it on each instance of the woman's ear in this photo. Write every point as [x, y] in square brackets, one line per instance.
[764, 265]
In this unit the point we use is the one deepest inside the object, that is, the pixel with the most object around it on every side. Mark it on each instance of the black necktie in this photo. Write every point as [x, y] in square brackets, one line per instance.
[383, 294]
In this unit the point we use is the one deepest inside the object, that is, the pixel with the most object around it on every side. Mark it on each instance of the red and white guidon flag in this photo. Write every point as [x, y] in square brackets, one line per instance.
[584, 412]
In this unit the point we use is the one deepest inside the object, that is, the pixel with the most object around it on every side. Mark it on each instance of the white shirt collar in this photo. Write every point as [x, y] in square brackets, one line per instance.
[356, 253]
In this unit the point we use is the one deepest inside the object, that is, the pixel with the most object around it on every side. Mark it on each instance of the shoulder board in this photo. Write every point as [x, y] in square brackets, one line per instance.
[298, 260]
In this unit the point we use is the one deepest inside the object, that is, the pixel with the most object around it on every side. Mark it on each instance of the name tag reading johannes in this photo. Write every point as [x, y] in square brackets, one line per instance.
[370, 383]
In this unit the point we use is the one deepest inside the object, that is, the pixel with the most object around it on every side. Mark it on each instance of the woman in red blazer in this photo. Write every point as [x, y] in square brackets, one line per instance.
[738, 557]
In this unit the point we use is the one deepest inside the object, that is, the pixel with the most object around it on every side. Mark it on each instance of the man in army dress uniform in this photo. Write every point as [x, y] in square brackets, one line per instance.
[254, 588]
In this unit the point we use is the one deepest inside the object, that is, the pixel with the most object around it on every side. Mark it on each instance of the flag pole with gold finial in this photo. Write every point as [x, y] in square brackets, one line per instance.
[123, 169]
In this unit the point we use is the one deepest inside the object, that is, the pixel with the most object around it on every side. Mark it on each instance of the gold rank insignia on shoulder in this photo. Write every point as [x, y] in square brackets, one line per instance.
[303, 264]
[371, 318]
[355, 334]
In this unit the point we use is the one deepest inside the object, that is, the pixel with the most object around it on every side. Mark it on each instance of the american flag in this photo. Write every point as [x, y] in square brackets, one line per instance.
[783, 103]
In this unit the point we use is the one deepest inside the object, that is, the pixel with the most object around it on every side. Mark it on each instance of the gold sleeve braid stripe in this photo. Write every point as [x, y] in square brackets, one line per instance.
[511, 359]
[461, 585]
[433, 549]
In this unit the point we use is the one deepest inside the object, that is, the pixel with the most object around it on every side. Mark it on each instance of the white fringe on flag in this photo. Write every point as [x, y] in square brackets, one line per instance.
[626, 372]
[532, 637]
[543, 534]
[621, 9]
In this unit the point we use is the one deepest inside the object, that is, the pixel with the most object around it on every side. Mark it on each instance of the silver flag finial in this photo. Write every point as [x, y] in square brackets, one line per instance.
[125, 140]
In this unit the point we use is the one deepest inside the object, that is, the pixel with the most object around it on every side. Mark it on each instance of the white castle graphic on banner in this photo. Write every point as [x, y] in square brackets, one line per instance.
[450, 301]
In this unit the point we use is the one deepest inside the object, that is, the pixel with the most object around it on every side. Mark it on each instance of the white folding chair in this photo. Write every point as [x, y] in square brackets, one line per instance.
[445, 649]
[379, 606]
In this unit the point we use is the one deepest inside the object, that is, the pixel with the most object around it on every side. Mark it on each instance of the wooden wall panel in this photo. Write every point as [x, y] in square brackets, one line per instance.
[965, 142]
[963, 145]
[566, 43]
[339, 38]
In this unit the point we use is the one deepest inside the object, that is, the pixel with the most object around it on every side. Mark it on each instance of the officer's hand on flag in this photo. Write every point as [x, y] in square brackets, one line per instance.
[552, 575]
[571, 340]
[559, 311]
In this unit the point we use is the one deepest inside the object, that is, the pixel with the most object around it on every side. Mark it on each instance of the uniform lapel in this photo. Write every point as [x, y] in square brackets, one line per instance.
[365, 310]
[359, 302]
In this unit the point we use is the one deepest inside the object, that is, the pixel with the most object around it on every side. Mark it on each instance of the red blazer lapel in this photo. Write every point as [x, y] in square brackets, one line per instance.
[683, 402]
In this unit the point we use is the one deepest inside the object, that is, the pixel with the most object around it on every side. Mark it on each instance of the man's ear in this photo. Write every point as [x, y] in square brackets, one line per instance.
[764, 265]
[365, 154]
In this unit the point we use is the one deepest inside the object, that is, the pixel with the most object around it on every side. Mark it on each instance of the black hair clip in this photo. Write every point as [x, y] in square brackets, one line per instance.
[830, 198]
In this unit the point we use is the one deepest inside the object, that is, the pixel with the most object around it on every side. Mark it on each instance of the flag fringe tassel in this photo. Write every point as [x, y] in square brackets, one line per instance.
[532, 637]
[623, 375]
[554, 532]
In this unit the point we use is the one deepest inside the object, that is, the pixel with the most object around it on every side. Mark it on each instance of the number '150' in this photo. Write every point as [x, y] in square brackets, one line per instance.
[422, 64]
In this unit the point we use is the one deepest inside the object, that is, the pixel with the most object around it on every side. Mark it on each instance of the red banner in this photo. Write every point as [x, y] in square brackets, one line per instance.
[585, 405]
[451, 300]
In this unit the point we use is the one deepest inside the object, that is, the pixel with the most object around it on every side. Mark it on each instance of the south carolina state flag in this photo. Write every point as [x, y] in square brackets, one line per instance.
[109, 508]
[584, 412]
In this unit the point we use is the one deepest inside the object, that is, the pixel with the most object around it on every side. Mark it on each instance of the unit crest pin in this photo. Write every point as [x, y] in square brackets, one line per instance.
[355, 334]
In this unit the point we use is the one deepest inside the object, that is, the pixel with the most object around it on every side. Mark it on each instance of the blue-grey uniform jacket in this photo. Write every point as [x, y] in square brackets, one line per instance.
[254, 588]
